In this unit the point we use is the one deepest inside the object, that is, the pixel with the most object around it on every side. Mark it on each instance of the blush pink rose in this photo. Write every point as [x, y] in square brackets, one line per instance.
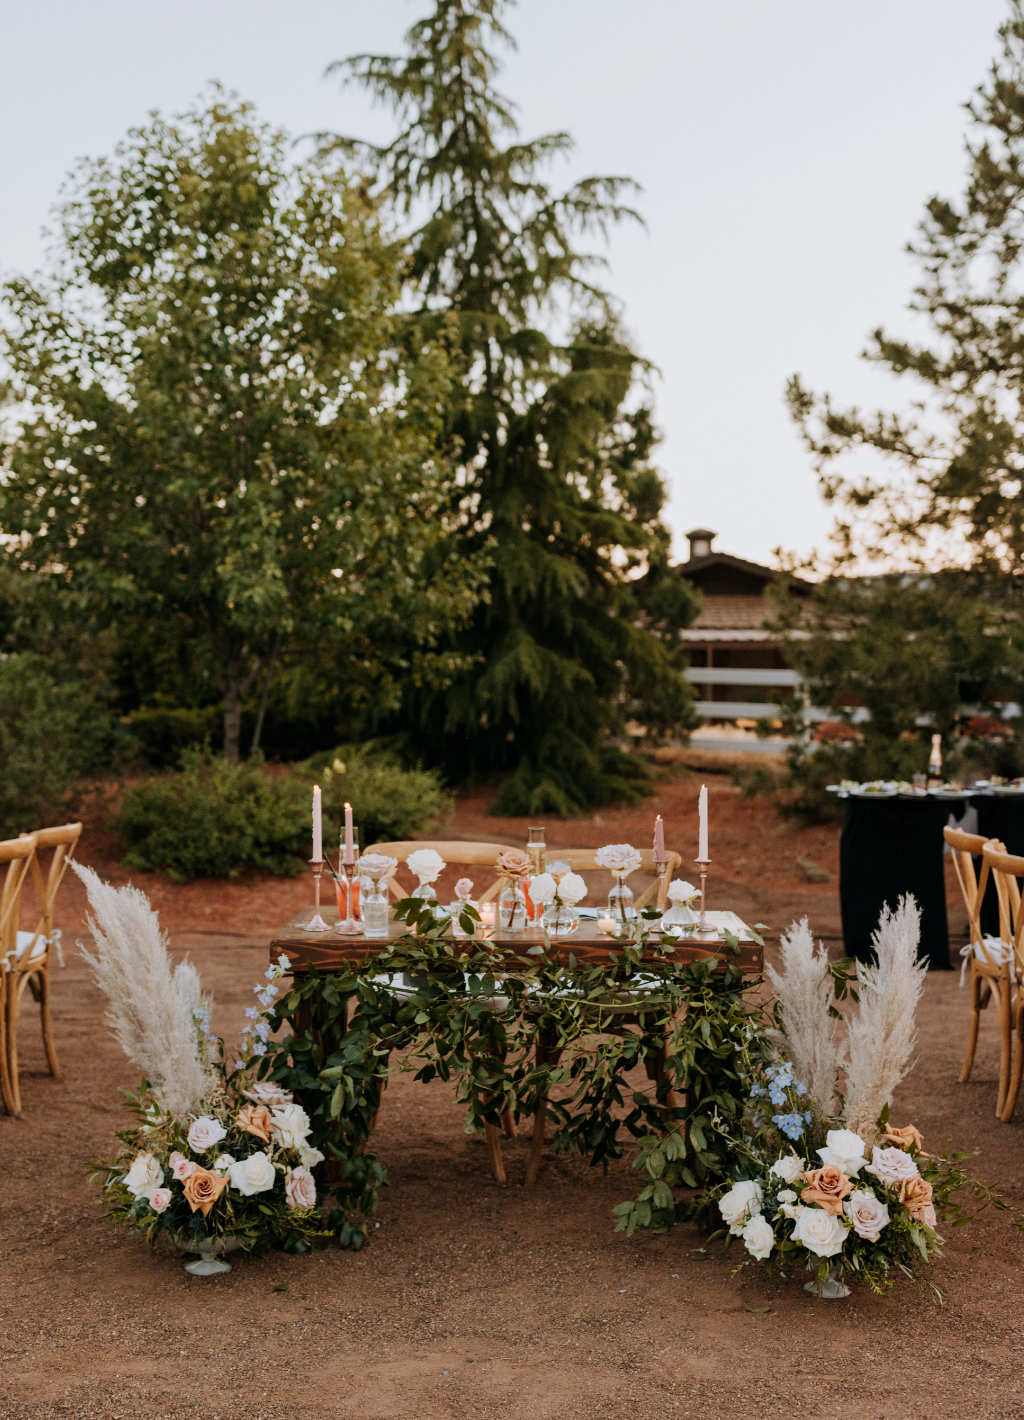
[300, 1188]
[160, 1199]
[927, 1216]
[181, 1167]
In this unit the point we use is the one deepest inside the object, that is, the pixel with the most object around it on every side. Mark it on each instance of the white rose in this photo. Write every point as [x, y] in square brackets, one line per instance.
[572, 888]
[742, 1202]
[204, 1133]
[868, 1214]
[789, 1168]
[682, 892]
[787, 1196]
[820, 1232]
[290, 1126]
[426, 864]
[300, 1188]
[377, 865]
[891, 1166]
[542, 887]
[308, 1157]
[844, 1149]
[758, 1237]
[223, 1164]
[618, 858]
[144, 1175]
[252, 1175]
[268, 1093]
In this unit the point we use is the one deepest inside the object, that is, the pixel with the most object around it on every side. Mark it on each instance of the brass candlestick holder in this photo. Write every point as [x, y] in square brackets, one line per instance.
[316, 923]
[350, 927]
[705, 932]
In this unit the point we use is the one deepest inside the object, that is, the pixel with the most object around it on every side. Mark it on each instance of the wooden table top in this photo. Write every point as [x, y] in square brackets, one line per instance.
[326, 951]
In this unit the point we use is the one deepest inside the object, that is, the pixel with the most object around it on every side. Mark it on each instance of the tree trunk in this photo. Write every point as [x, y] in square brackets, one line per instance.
[268, 677]
[232, 684]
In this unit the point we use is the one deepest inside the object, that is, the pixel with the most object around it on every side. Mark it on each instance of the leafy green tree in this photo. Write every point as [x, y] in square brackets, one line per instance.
[554, 445]
[948, 630]
[223, 442]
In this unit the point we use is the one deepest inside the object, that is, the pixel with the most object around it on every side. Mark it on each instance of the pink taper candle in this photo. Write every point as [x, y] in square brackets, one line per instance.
[702, 809]
[349, 852]
[659, 840]
[318, 827]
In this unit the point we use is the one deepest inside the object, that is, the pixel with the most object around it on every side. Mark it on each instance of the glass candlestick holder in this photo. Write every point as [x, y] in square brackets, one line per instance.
[316, 923]
[350, 927]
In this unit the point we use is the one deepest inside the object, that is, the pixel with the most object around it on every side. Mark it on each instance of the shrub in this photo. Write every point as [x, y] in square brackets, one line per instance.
[52, 732]
[388, 801]
[217, 820]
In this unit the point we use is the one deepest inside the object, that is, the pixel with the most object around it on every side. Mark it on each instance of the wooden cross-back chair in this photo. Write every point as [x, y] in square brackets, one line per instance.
[1006, 868]
[17, 853]
[990, 976]
[582, 860]
[28, 967]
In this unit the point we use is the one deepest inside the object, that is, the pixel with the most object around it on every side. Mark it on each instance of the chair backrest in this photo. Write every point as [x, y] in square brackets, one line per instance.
[17, 853]
[964, 848]
[454, 851]
[486, 854]
[1006, 868]
[63, 840]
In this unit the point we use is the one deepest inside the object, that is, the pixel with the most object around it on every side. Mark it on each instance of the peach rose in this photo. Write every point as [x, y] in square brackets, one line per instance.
[513, 863]
[202, 1189]
[829, 1186]
[903, 1138]
[916, 1195]
[255, 1119]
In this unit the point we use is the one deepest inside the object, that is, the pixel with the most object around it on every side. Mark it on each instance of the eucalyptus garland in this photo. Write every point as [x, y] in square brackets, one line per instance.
[509, 1028]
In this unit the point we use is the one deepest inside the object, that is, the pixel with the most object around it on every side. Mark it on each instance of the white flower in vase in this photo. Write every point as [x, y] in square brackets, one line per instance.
[619, 858]
[789, 1168]
[144, 1175]
[427, 864]
[740, 1204]
[683, 897]
[758, 1237]
[542, 888]
[290, 1126]
[378, 867]
[891, 1166]
[844, 1149]
[252, 1175]
[572, 889]
[819, 1232]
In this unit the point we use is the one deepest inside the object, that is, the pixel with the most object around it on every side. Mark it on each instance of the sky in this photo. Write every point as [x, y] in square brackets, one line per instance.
[785, 153]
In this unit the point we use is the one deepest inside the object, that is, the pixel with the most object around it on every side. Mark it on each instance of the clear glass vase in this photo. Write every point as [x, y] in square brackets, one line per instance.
[831, 1288]
[561, 918]
[512, 910]
[620, 901]
[375, 912]
[679, 915]
[455, 911]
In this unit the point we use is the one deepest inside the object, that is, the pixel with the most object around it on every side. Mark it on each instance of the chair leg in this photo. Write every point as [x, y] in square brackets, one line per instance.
[494, 1158]
[5, 1073]
[1005, 1046]
[46, 1022]
[1013, 1090]
[972, 1030]
[13, 1010]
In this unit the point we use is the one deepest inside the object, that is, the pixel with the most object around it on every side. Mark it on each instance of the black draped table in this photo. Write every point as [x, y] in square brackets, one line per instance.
[892, 846]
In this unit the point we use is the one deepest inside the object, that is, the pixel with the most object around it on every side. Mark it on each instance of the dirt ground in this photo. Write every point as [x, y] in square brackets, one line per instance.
[474, 1300]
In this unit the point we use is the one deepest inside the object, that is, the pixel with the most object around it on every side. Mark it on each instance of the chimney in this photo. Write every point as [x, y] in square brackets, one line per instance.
[700, 542]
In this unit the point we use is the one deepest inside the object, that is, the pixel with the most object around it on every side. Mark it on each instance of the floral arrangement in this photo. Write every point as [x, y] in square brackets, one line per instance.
[377, 868]
[619, 858]
[426, 863]
[849, 1195]
[682, 894]
[564, 891]
[464, 889]
[214, 1157]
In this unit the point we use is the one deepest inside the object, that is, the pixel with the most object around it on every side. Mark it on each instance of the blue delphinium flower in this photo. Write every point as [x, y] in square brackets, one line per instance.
[792, 1125]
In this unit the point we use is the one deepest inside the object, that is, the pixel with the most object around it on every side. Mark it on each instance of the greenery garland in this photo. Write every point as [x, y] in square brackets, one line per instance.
[471, 1014]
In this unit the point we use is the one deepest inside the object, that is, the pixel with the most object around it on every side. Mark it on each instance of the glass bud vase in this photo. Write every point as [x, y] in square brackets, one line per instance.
[375, 912]
[455, 911]
[512, 910]
[620, 901]
[679, 915]
[561, 918]
[426, 894]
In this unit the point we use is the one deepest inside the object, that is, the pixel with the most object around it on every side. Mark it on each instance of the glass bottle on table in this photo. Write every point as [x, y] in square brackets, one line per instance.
[620, 901]
[375, 908]
[536, 848]
[341, 882]
[512, 908]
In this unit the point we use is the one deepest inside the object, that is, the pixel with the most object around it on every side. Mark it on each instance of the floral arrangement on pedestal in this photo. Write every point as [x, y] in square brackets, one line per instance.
[214, 1159]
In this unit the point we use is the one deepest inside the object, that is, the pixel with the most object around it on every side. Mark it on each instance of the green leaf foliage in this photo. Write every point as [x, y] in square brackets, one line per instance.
[549, 428]
[226, 445]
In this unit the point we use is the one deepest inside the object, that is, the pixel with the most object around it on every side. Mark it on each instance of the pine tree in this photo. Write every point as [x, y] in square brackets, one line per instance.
[948, 629]
[582, 624]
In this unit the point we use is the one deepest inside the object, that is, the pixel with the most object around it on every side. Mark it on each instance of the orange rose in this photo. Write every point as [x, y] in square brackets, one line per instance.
[255, 1119]
[203, 1188]
[915, 1195]
[829, 1186]
[903, 1138]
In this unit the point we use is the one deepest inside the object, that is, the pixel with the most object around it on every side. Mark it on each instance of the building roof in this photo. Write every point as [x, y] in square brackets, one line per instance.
[721, 574]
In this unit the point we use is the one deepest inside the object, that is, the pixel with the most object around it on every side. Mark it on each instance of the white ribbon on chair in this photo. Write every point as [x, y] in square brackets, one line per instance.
[993, 951]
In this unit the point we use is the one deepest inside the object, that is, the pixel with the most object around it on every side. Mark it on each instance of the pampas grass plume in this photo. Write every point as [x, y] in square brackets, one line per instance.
[808, 1035]
[153, 1004]
[881, 1035]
